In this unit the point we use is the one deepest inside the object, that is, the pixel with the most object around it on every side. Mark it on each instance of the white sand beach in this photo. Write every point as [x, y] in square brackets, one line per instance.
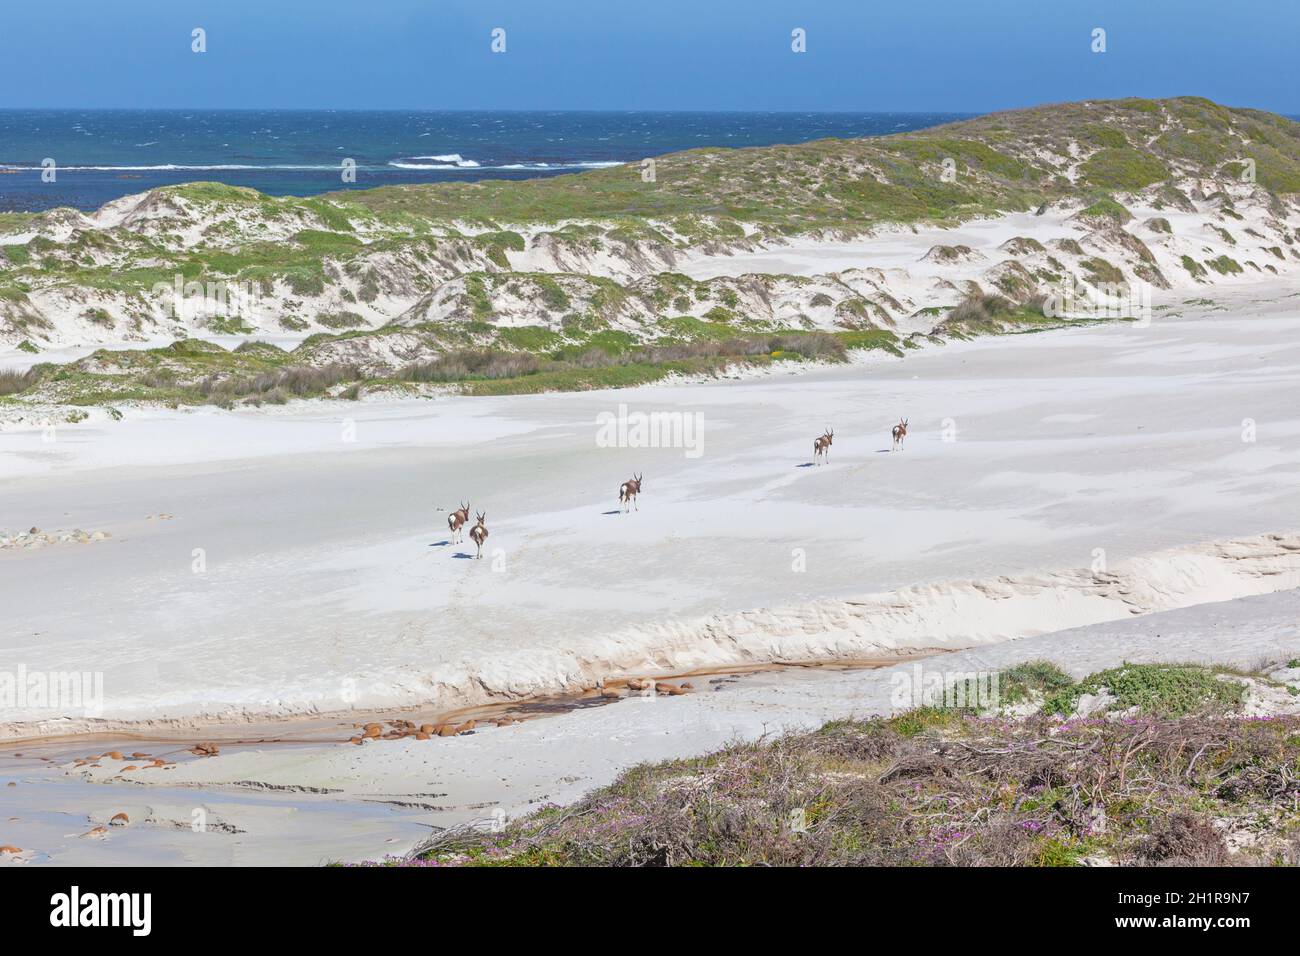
[294, 563]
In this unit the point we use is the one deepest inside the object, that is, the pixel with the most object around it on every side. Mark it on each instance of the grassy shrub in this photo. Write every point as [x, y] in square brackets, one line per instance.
[1156, 690]
[298, 381]
[979, 311]
[469, 364]
[98, 316]
[1123, 169]
[1104, 135]
[160, 378]
[1030, 681]
[1100, 272]
[340, 320]
[13, 381]
[258, 347]
[1106, 209]
[554, 298]
[1225, 265]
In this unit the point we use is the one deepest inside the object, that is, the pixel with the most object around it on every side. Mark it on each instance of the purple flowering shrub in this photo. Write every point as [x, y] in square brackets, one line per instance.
[935, 787]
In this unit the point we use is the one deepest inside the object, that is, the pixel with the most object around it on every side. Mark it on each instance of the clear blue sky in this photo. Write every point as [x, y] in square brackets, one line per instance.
[959, 55]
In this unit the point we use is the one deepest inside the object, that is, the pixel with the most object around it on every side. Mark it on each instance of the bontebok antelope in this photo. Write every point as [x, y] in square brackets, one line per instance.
[479, 534]
[628, 491]
[456, 523]
[900, 432]
[822, 446]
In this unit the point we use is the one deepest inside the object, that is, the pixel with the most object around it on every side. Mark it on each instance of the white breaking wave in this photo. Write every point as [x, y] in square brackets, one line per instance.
[582, 165]
[455, 161]
[396, 165]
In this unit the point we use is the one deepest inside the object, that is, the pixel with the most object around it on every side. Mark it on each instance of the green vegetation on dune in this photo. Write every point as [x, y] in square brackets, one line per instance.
[1224, 265]
[519, 360]
[1126, 169]
[830, 183]
[435, 260]
[1107, 208]
[1155, 689]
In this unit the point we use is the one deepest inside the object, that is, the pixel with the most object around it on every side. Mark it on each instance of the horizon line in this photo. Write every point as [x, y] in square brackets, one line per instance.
[494, 109]
[1288, 112]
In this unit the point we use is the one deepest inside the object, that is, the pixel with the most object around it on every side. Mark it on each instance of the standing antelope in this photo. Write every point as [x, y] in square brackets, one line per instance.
[479, 534]
[900, 432]
[628, 491]
[822, 446]
[456, 523]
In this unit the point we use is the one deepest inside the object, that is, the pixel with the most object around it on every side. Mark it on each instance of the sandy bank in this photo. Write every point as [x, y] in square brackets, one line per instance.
[327, 582]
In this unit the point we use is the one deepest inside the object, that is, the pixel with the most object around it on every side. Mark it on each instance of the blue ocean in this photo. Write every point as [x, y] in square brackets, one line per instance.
[100, 155]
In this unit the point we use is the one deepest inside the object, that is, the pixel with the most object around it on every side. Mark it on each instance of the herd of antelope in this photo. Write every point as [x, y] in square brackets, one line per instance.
[456, 522]
[629, 490]
[822, 443]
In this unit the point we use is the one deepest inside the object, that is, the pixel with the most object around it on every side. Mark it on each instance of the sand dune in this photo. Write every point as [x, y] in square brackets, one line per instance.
[263, 564]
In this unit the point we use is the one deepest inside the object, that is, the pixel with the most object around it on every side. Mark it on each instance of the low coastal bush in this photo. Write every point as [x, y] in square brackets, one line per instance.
[299, 381]
[1155, 689]
[497, 364]
[1123, 168]
[932, 788]
[1105, 209]
[990, 313]
[13, 381]
[522, 359]
[470, 363]
[1031, 681]
[1169, 781]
